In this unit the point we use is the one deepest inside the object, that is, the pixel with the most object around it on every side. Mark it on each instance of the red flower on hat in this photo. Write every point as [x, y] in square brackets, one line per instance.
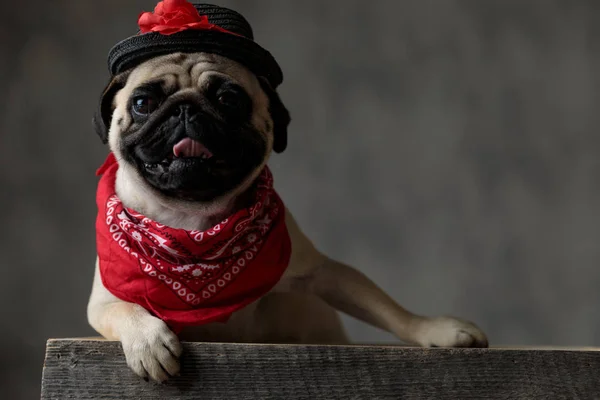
[172, 16]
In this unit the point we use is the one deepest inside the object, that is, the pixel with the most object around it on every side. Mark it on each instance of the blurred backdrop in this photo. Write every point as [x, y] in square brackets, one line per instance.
[448, 149]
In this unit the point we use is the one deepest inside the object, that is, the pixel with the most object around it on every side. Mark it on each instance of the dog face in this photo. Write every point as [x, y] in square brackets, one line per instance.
[195, 127]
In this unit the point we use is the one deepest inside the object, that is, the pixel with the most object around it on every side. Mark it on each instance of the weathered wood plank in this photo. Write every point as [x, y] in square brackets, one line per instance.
[91, 369]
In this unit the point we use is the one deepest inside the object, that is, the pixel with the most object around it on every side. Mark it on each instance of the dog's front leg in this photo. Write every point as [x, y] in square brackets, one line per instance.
[349, 291]
[150, 347]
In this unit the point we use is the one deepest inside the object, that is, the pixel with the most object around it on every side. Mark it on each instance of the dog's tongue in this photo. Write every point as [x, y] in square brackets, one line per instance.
[191, 148]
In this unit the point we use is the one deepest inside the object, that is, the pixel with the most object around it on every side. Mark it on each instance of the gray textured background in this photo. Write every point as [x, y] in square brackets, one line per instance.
[446, 148]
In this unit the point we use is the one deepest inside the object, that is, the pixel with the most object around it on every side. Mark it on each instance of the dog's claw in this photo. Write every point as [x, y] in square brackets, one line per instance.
[450, 332]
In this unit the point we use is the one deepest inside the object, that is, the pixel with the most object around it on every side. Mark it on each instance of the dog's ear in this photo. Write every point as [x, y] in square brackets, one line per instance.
[279, 114]
[103, 116]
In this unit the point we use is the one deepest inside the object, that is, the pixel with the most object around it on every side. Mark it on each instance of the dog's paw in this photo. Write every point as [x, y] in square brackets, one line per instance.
[450, 332]
[151, 349]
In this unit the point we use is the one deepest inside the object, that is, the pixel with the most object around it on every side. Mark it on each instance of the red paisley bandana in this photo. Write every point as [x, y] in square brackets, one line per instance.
[189, 278]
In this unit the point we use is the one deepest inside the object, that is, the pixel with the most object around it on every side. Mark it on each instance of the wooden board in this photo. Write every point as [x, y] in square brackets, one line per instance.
[94, 369]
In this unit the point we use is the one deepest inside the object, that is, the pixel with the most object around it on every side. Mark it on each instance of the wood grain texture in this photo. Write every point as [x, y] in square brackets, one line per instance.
[91, 369]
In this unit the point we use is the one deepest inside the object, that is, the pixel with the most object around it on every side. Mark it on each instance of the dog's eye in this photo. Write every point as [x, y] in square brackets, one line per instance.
[229, 99]
[144, 105]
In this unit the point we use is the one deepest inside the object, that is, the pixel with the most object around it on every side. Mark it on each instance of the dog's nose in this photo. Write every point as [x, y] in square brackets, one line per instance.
[185, 111]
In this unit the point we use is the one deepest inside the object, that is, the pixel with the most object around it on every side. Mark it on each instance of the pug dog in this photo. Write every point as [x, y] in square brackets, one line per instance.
[234, 120]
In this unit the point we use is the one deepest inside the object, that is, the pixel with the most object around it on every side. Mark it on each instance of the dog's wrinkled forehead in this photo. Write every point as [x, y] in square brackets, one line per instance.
[180, 71]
